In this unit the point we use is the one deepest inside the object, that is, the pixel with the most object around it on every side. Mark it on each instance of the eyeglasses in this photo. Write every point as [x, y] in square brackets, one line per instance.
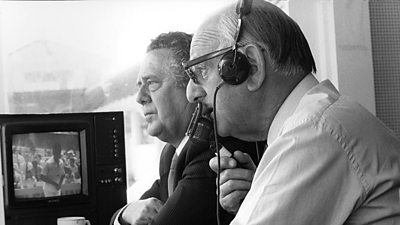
[187, 66]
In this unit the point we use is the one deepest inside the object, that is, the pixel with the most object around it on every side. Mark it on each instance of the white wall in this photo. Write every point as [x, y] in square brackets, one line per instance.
[339, 36]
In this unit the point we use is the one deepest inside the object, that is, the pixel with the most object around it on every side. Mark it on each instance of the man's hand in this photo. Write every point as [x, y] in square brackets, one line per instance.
[235, 179]
[141, 211]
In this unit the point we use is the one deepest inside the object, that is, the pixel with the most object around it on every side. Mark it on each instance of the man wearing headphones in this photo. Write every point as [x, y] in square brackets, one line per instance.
[328, 161]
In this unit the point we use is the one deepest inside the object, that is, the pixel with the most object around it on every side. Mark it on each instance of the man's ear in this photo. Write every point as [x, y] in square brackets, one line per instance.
[256, 58]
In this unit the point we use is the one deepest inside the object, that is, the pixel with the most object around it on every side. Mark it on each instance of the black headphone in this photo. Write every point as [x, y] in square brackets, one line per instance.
[234, 67]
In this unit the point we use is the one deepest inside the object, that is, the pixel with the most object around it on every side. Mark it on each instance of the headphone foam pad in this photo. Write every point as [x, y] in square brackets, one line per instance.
[232, 71]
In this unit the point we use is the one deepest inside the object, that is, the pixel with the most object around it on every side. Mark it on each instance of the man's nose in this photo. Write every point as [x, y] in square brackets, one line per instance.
[194, 92]
[142, 96]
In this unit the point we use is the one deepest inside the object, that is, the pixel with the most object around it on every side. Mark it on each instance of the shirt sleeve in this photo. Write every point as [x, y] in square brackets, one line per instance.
[117, 217]
[303, 178]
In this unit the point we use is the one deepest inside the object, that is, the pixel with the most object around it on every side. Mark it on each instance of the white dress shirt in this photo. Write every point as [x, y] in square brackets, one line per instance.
[329, 161]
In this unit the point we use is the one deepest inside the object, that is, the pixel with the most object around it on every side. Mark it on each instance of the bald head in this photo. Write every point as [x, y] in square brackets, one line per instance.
[267, 26]
[209, 37]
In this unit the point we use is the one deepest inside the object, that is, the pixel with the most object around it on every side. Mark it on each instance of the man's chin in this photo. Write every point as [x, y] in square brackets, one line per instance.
[222, 130]
[223, 134]
[153, 132]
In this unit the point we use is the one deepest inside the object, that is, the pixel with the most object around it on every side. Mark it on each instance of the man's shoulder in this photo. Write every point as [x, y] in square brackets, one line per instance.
[323, 106]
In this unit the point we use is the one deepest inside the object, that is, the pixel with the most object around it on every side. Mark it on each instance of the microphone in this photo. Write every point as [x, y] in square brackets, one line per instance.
[200, 127]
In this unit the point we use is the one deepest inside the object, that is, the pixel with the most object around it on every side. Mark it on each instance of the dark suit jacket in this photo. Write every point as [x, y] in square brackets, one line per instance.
[194, 199]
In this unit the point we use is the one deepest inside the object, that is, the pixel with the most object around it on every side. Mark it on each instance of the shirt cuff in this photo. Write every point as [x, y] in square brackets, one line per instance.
[116, 221]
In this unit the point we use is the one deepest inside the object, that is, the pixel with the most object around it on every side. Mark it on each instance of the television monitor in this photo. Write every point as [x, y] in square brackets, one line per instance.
[57, 165]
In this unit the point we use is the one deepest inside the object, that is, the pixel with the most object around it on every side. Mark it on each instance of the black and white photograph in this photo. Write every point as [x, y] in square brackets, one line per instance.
[200, 112]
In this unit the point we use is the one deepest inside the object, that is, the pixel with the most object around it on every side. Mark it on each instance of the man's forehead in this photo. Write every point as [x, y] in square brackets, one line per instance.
[205, 40]
[153, 63]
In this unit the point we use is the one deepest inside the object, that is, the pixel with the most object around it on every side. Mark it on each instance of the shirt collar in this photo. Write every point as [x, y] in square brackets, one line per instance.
[181, 145]
[289, 106]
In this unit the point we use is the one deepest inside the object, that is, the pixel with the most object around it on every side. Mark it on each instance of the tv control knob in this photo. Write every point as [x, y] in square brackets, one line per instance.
[118, 179]
[117, 170]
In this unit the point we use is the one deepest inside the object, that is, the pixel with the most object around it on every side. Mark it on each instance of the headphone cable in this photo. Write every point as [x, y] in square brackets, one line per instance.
[217, 148]
[258, 152]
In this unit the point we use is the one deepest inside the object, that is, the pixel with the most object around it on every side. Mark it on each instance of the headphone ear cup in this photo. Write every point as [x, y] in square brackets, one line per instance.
[232, 71]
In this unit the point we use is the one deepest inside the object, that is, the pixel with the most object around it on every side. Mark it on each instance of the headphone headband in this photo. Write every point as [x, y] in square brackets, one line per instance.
[243, 7]
[234, 66]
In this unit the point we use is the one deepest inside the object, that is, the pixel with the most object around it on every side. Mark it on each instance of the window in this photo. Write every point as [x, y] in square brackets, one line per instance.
[81, 56]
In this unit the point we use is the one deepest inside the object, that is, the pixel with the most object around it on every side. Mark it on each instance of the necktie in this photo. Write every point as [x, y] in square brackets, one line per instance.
[171, 174]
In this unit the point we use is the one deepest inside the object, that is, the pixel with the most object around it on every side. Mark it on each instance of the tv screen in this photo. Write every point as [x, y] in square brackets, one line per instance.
[57, 165]
[46, 164]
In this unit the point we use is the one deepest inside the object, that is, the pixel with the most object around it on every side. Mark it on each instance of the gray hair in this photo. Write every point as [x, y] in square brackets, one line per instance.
[179, 44]
[274, 31]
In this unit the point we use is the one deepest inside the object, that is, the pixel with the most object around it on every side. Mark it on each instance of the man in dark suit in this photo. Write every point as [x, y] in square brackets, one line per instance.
[185, 192]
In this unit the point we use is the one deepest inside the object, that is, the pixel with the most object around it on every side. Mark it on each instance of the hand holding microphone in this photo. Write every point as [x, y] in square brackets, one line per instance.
[236, 176]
